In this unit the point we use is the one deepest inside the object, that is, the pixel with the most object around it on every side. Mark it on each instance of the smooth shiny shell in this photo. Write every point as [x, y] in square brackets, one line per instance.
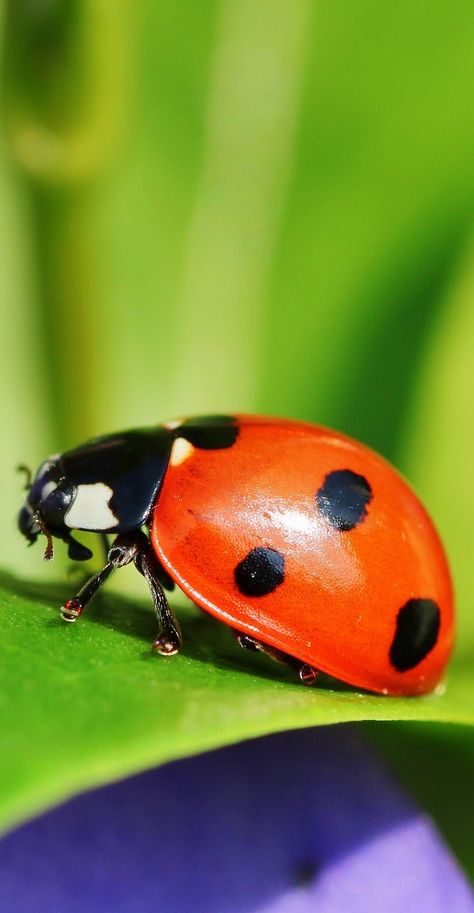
[231, 523]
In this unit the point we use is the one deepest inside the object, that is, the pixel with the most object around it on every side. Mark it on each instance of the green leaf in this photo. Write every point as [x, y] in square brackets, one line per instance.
[83, 704]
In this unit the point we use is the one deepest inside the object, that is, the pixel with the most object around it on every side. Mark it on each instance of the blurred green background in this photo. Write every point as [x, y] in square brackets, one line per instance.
[262, 205]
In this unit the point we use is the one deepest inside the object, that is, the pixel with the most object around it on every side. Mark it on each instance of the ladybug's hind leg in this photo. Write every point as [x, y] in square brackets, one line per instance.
[306, 673]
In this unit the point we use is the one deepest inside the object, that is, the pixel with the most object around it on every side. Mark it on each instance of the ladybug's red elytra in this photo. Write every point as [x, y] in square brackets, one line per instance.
[307, 543]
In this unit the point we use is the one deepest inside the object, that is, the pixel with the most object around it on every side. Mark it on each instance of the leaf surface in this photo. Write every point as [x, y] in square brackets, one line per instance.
[84, 704]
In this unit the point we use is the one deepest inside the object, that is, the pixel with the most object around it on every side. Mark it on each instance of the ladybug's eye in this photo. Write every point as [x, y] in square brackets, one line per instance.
[27, 525]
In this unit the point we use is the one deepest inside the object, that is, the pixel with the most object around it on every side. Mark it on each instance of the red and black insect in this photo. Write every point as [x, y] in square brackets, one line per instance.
[308, 544]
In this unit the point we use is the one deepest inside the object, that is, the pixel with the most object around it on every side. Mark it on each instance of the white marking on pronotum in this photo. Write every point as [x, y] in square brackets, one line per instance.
[175, 423]
[180, 451]
[47, 489]
[90, 508]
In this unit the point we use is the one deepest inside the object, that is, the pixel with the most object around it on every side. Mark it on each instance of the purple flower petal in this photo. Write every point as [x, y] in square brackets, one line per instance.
[299, 822]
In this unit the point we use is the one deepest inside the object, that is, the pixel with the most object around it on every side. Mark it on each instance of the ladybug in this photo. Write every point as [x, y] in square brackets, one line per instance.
[307, 543]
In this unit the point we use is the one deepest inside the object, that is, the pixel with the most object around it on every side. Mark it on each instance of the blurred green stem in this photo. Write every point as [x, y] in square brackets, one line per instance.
[68, 289]
[250, 124]
[63, 88]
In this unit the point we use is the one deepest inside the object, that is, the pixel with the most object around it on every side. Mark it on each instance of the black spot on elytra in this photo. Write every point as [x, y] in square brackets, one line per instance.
[416, 633]
[343, 499]
[209, 432]
[260, 572]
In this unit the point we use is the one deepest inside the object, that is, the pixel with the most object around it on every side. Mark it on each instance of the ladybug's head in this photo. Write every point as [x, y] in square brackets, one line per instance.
[49, 498]
[108, 485]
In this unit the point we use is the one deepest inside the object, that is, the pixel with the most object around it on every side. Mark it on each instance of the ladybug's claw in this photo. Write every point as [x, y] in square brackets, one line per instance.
[71, 609]
[307, 674]
[166, 646]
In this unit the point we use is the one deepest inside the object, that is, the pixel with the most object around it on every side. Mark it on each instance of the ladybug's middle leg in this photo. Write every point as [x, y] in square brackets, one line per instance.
[136, 547]
[306, 673]
[169, 638]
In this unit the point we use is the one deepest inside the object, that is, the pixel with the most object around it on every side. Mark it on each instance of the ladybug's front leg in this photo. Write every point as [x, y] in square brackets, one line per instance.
[307, 674]
[127, 548]
[123, 552]
[75, 606]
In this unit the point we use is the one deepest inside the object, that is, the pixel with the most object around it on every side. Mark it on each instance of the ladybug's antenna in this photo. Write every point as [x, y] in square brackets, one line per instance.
[49, 550]
[27, 471]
